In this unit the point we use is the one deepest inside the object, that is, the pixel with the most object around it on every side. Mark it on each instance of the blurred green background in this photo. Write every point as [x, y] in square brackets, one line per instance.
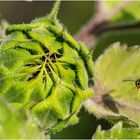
[73, 14]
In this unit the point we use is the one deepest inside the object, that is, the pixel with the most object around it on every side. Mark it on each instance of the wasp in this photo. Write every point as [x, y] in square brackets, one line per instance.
[137, 82]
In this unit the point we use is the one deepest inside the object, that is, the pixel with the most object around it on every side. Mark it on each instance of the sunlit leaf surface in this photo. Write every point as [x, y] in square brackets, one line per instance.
[117, 132]
[116, 73]
[16, 125]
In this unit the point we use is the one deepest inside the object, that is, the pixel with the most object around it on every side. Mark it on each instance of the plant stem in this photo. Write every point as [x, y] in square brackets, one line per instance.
[88, 32]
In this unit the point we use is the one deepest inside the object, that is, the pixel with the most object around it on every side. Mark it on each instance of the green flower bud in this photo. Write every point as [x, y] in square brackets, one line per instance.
[44, 70]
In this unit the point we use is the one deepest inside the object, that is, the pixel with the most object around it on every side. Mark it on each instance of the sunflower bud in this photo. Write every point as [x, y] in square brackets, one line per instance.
[44, 70]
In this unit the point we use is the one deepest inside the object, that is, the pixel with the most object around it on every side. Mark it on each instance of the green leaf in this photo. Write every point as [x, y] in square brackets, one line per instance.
[129, 13]
[112, 90]
[117, 132]
[102, 113]
[17, 125]
[128, 36]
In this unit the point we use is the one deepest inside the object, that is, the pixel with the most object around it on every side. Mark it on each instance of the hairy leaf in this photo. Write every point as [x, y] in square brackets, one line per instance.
[116, 73]
[117, 132]
[17, 125]
[102, 113]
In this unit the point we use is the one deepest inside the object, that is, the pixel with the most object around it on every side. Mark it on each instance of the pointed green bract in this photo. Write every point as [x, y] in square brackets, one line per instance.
[54, 12]
[44, 70]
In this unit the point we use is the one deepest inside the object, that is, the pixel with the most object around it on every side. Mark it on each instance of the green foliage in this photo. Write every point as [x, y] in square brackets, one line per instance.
[114, 92]
[127, 36]
[17, 124]
[101, 112]
[44, 70]
[123, 26]
[129, 13]
[117, 132]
